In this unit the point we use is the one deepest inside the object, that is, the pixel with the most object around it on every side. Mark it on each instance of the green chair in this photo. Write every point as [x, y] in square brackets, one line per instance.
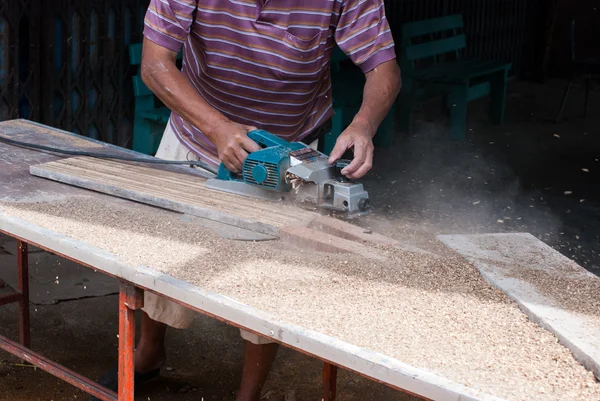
[149, 120]
[432, 63]
[347, 89]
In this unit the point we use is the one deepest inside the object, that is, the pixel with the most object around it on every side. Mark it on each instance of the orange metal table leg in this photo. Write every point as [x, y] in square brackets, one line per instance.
[23, 282]
[329, 382]
[130, 299]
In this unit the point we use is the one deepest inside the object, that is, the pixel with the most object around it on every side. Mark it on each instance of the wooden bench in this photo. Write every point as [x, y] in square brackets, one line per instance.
[150, 120]
[433, 63]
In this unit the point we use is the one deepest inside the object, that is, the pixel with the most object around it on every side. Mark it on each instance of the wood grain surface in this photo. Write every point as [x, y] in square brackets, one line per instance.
[187, 193]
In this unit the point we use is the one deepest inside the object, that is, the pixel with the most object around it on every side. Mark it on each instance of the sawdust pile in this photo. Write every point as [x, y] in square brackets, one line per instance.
[433, 312]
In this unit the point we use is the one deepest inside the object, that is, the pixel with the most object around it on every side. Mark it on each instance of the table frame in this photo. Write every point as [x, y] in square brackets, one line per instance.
[131, 298]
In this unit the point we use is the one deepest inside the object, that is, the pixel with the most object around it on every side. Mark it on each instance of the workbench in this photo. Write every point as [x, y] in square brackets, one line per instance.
[16, 184]
[19, 187]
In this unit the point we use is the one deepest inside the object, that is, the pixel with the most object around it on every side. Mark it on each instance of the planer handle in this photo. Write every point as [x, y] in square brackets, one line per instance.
[266, 139]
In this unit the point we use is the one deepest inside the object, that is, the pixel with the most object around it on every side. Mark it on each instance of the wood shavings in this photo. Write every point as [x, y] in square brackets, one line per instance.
[431, 311]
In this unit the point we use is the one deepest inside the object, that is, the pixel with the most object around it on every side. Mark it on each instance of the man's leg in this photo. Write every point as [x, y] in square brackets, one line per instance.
[259, 355]
[150, 351]
[158, 313]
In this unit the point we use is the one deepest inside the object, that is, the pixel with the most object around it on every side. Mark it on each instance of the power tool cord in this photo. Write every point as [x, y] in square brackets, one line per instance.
[105, 156]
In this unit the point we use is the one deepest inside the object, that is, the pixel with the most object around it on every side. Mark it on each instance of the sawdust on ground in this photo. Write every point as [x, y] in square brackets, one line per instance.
[433, 312]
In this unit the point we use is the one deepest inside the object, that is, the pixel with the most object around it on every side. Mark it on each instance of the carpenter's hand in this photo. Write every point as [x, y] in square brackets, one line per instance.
[359, 137]
[233, 144]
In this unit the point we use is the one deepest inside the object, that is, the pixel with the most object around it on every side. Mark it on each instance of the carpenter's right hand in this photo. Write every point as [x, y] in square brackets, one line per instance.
[233, 144]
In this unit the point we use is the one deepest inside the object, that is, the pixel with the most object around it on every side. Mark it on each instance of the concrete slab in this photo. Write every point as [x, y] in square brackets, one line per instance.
[519, 265]
[53, 279]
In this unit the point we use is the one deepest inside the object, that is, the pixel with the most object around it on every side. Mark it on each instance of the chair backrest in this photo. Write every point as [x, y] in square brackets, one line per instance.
[428, 41]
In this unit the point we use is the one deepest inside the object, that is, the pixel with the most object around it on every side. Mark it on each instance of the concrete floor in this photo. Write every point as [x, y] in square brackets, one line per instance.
[513, 177]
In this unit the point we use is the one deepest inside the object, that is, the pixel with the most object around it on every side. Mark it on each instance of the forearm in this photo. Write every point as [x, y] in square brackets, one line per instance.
[381, 89]
[164, 79]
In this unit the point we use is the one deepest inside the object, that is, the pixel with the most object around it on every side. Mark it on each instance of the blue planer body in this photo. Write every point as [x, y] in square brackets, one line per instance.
[266, 167]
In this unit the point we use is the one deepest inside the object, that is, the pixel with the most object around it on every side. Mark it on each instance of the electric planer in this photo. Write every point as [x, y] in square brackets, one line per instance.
[282, 167]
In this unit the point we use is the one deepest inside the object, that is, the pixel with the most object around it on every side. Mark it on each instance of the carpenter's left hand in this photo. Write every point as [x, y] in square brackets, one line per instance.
[358, 137]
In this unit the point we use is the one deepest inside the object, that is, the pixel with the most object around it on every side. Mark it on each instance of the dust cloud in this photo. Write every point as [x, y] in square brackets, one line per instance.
[455, 187]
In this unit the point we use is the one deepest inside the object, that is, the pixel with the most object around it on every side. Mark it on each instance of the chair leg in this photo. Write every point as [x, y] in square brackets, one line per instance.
[457, 102]
[587, 97]
[564, 100]
[498, 96]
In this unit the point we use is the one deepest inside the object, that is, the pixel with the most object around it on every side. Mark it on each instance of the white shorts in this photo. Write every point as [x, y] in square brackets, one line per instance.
[162, 309]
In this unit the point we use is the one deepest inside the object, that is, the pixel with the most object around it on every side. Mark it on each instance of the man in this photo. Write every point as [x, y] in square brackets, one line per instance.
[251, 64]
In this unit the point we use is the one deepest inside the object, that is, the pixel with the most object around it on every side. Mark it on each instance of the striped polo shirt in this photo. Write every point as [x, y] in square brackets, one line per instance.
[266, 62]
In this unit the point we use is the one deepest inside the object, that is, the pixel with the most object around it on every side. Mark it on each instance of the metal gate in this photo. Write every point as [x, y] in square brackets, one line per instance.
[65, 63]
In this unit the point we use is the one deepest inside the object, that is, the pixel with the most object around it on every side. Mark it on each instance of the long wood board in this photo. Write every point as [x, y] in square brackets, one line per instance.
[187, 193]
[180, 192]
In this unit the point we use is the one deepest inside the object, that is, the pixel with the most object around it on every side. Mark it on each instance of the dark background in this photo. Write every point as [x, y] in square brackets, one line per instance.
[65, 63]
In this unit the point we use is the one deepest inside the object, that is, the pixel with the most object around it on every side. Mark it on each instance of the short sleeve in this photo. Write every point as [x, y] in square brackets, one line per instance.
[168, 22]
[363, 33]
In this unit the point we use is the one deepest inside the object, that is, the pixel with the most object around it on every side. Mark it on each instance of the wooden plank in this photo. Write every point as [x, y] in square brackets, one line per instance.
[180, 192]
[177, 188]
[188, 194]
